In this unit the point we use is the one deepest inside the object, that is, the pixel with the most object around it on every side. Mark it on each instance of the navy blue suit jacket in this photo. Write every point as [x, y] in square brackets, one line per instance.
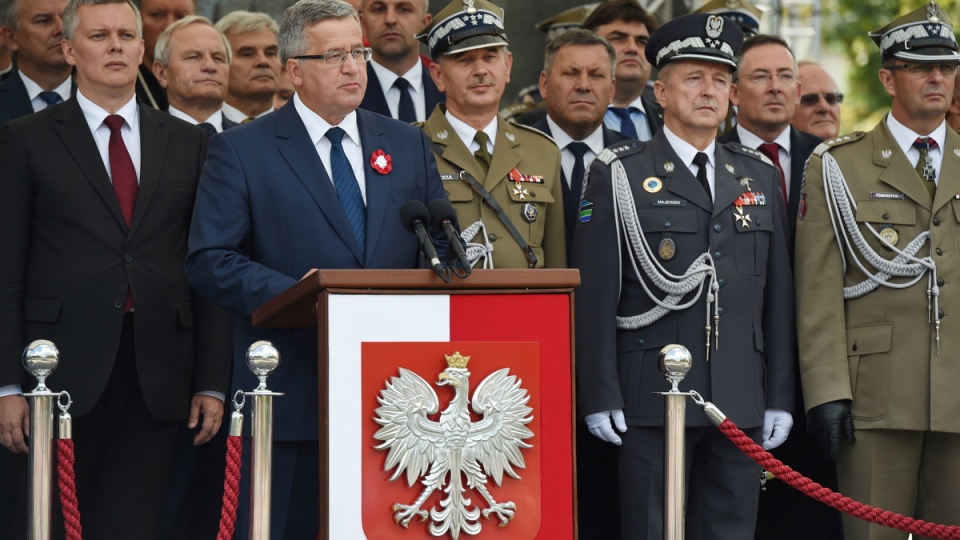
[570, 207]
[267, 213]
[14, 101]
[374, 100]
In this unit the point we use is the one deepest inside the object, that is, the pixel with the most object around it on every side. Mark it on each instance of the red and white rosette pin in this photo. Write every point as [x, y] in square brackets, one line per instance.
[381, 162]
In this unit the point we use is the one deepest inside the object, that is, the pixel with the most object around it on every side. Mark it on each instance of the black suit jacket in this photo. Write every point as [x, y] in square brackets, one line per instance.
[374, 100]
[69, 259]
[14, 101]
[570, 206]
[801, 146]
[150, 91]
[653, 111]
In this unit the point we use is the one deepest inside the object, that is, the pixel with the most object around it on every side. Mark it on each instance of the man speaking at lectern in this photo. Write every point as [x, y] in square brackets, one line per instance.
[316, 184]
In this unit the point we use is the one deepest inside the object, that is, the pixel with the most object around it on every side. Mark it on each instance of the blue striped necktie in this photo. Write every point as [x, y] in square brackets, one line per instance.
[347, 187]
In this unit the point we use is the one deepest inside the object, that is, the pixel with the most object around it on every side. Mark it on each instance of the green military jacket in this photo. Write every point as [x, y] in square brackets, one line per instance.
[879, 349]
[535, 206]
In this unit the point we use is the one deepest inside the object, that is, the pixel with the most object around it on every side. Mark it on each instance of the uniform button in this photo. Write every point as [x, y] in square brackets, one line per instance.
[721, 283]
[718, 255]
[128, 258]
[940, 282]
[939, 251]
[936, 222]
[717, 227]
[118, 304]
[667, 224]
[492, 237]
[720, 312]
[640, 342]
[533, 193]
[940, 314]
[855, 347]
[886, 215]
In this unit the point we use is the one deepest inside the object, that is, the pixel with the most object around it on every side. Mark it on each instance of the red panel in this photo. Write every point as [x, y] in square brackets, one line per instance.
[544, 318]
[379, 363]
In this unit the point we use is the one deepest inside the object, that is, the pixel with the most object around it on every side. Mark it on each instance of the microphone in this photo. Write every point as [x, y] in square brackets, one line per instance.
[413, 214]
[442, 215]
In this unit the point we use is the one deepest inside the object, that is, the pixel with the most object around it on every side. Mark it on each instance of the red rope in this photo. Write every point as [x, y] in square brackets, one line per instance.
[68, 489]
[832, 498]
[231, 489]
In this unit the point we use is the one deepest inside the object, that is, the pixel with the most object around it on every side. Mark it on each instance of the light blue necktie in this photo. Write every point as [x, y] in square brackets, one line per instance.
[347, 187]
[627, 126]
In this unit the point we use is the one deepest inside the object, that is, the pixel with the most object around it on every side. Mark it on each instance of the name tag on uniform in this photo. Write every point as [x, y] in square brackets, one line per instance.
[879, 195]
[669, 202]
[448, 177]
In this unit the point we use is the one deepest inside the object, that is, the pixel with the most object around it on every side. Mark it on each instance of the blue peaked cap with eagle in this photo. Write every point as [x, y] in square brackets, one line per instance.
[464, 25]
[696, 36]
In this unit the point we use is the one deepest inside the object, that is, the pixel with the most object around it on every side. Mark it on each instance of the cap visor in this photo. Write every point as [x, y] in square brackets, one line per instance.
[475, 42]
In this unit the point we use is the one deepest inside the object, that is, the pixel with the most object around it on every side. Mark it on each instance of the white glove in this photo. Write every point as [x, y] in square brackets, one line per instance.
[600, 426]
[776, 427]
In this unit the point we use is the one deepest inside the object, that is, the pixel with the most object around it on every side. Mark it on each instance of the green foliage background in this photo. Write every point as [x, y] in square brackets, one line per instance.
[845, 27]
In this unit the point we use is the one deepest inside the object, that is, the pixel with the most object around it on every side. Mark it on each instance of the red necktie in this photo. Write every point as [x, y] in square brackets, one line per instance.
[125, 184]
[772, 151]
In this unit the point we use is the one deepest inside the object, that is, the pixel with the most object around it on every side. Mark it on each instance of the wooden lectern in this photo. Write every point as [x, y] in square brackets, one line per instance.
[379, 326]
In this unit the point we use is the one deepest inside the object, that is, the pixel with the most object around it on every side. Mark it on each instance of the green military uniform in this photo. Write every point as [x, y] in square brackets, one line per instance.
[534, 206]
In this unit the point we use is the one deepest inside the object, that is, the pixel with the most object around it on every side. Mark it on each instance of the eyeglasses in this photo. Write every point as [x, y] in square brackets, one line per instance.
[335, 58]
[762, 78]
[925, 69]
[832, 98]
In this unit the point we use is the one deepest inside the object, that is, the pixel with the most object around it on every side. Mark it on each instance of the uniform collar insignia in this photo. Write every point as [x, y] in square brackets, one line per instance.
[668, 166]
[442, 135]
[956, 152]
[510, 136]
[886, 153]
[729, 168]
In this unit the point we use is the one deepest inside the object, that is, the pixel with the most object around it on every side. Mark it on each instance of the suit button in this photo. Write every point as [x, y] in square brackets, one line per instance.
[640, 342]
[939, 251]
[118, 304]
[718, 255]
[667, 224]
[936, 222]
[128, 258]
[940, 282]
[721, 283]
[492, 237]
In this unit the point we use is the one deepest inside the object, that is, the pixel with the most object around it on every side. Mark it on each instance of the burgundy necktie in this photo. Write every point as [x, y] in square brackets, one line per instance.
[124, 177]
[772, 151]
[123, 174]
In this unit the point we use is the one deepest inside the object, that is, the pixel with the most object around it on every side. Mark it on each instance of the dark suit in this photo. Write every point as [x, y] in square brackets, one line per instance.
[374, 100]
[70, 260]
[14, 100]
[266, 214]
[149, 90]
[652, 110]
[750, 371]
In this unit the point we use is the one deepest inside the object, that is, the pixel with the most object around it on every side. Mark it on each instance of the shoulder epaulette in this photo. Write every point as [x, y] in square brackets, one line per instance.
[747, 151]
[619, 150]
[531, 129]
[837, 141]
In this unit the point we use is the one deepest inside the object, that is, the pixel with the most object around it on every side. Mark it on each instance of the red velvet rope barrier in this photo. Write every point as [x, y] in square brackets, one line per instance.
[832, 498]
[68, 489]
[231, 489]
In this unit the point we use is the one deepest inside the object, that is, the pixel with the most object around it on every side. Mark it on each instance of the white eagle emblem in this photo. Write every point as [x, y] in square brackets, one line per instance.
[446, 453]
[714, 26]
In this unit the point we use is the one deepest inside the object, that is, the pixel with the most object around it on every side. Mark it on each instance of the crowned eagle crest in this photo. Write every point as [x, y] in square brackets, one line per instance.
[454, 454]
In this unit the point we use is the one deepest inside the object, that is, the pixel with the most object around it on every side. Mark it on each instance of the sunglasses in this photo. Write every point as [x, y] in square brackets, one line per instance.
[832, 98]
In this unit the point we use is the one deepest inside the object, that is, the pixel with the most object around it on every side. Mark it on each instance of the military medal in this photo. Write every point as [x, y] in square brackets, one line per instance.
[667, 249]
[519, 177]
[529, 212]
[751, 198]
[652, 184]
[889, 235]
[743, 219]
[520, 191]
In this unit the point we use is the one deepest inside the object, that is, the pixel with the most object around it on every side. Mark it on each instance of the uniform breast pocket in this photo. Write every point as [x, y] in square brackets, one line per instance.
[894, 220]
[457, 191]
[754, 225]
[669, 233]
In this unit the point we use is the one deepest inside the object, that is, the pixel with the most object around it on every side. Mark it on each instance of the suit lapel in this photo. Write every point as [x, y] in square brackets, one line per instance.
[676, 176]
[153, 148]
[373, 98]
[378, 185]
[71, 126]
[299, 152]
[898, 173]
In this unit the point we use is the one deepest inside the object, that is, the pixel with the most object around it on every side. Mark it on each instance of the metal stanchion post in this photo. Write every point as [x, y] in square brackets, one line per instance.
[262, 360]
[675, 362]
[40, 358]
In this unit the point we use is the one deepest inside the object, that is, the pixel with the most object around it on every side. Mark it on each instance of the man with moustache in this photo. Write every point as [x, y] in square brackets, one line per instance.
[294, 191]
[192, 64]
[681, 204]
[399, 83]
[503, 178]
[33, 30]
[95, 202]
[877, 276]
[819, 110]
[157, 15]
[627, 26]
[255, 67]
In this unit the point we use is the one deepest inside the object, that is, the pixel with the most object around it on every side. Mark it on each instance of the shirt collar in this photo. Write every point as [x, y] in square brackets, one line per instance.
[317, 127]
[686, 151]
[34, 89]
[905, 136]
[637, 103]
[215, 119]
[594, 141]
[95, 114]
[414, 76]
[749, 139]
[467, 132]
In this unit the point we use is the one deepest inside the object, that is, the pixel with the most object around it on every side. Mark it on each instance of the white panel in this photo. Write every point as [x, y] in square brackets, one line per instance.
[356, 318]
